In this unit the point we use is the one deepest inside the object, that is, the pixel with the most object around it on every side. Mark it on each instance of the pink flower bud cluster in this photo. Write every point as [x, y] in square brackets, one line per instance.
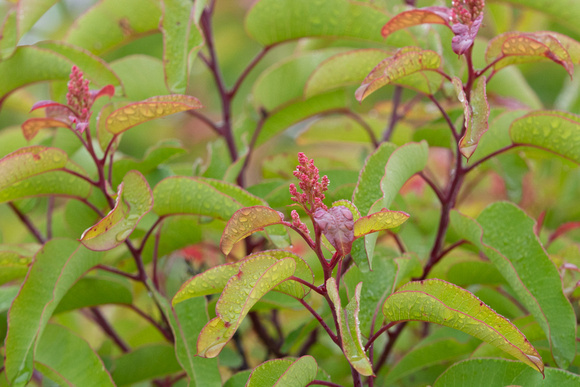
[466, 11]
[312, 189]
[79, 99]
[296, 222]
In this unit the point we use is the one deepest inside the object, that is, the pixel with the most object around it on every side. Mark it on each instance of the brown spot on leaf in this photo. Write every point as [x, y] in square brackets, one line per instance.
[126, 27]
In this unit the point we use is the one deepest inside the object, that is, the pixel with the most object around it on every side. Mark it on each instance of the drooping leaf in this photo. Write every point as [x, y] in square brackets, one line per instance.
[519, 47]
[284, 372]
[94, 291]
[145, 363]
[516, 252]
[555, 131]
[414, 17]
[406, 61]
[56, 268]
[37, 171]
[501, 372]
[32, 126]
[476, 115]
[109, 24]
[256, 277]
[446, 304]
[245, 222]
[69, 360]
[350, 328]
[274, 21]
[137, 113]
[181, 40]
[379, 221]
[134, 200]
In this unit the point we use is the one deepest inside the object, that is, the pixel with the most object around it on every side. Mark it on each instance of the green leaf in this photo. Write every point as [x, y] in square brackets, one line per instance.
[134, 200]
[498, 135]
[245, 222]
[142, 84]
[472, 272]
[500, 373]
[267, 92]
[94, 291]
[182, 39]
[137, 113]
[56, 268]
[505, 234]
[379, 221]
[284, 372]
[519, 47]
[145, 363]
[18, 21]
[39, 170]
[7, 295]
[69, 360]
[404, 62]
[555, 131]
[350, 329]
[274, 21]
[110, 23]
[476, 113]
[13, 265]
[298, 111]
[256, 276]
[446, 304]
[343, 69]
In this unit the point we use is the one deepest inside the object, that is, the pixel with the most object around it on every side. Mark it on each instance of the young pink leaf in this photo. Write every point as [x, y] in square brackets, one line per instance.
[465, 35]
[137, 113]
[476, 113]
[32, 126]
[108, 90]
[337, 226]
[406, 61]
[245, 222]
[378, 221]
[46, 104]
[446, 304]
[414, 17]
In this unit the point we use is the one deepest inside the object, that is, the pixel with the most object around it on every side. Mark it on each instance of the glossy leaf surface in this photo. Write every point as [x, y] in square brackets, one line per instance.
[32, 126]
[446, 304]
[504, 233]
[404, 62]
[284, 372]
[414, 17]
[137, 113]
[56, 268]
[69, 360]
[256, 277]
[134, 200]
[555, 131]
[379, 221]
[349, 325]
[476, 115]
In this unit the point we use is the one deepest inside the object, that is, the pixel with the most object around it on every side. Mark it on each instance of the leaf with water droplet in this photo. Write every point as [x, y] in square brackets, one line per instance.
[379, 221]
[136, 113]
[446, 304]
[476, 114]
[557, 132]
[349, 327]
[284, 372]
[134, 200]
[414, 17]
[405, 62]
[256, 276]
[337, 225]
[32, 126]
[245, 222]
[525, 47]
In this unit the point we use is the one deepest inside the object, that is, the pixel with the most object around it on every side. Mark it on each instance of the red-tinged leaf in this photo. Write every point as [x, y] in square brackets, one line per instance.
[563, 229]
[134, 200]
[136, 113]
[379, 221]
[32, 126]
[465, 35]
[284, 372]
[337, 225]
[106, 90]
[30, 161]
[414, 17]
[519, 47]
[476, 112]
[446, 304]
[405, 62]
[245, 222]
[47, 103]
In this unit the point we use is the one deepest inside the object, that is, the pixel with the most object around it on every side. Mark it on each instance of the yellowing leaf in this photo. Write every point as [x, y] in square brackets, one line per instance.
[379, 221]
[137, 113]
[256, 277]
[519, 47]
[406, 61]
[350, 329]
[414, 17]
[134, 199]
[476, 112]
[446, 304]
[245, 222]
[32, 126]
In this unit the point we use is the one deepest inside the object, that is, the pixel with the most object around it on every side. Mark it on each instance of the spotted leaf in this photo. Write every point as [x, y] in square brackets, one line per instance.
[382, 220]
